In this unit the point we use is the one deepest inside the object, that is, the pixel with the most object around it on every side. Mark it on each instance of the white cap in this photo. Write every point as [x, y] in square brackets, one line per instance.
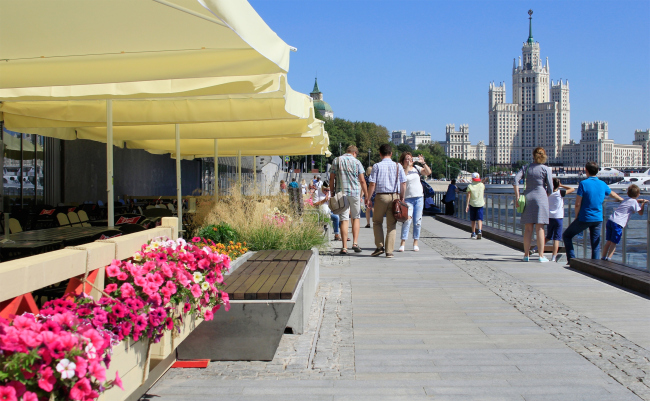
[476, 177]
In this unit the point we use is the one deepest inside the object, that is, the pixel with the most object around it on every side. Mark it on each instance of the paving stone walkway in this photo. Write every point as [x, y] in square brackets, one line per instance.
[460, 320]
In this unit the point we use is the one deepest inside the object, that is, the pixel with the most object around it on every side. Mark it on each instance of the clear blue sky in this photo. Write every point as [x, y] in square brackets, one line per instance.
[419, 65]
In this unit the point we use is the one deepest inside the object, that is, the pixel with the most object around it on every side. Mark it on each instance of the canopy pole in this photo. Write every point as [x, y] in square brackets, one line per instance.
[109, 163]
[254, 175]
[216, 170]
[239, 171]
[179, 199]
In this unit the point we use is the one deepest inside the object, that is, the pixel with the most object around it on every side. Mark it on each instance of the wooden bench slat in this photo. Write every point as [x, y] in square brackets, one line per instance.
[280, 255]
[299, 268]
[305, 255]
[257, 255]
[276, 288]
[233, 285]
[289, 287]
[289, 255]
[263, 292]
[271, 255]
[261, 266]
[251, 292]
[239, 292]
[288, 268]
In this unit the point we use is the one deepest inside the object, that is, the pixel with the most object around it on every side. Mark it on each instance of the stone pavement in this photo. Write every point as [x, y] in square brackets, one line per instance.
[460, 320]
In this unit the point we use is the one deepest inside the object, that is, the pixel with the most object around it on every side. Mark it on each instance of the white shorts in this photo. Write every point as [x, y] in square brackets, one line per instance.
[353, 211]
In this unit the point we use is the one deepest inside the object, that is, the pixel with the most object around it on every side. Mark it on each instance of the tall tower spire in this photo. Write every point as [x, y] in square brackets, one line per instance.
[316, 90]
[530, 27]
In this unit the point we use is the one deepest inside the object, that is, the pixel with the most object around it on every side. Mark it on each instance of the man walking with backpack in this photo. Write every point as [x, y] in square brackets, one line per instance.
[346, 176]
[388, 181]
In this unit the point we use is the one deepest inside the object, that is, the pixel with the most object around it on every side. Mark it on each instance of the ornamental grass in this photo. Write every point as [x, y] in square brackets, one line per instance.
[261, 222]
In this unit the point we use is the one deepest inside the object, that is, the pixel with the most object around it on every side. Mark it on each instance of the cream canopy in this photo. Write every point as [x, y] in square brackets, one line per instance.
[168, 54]
[128, 48]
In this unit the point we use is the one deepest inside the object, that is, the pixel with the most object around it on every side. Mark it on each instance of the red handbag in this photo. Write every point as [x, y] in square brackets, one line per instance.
[400, 208]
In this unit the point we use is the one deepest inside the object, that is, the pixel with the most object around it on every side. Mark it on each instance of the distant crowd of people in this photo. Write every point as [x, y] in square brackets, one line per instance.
[542, 204]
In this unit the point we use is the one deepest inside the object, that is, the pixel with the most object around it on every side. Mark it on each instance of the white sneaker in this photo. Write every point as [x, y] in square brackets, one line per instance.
[416, 248]
[401, 249]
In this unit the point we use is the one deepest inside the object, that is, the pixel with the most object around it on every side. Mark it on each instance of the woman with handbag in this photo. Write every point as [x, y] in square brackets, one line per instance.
[322, 199]
[414, 197]
[538, 185]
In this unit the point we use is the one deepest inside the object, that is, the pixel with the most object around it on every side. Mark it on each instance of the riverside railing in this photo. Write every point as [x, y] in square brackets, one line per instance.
[500, 212]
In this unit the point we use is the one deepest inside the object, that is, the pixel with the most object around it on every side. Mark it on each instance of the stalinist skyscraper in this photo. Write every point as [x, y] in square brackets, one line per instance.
[539, 114]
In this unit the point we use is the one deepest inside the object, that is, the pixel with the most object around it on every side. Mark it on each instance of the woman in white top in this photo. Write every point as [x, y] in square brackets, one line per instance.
[320, 200]
[414, 196]
[303, 186]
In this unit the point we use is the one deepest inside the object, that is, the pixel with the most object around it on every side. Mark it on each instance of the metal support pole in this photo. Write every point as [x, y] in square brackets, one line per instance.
[584, 243]
[22, 170]
[602, 228]
[624, 245]
[255, 175]
[239, 171]
[492, 208]
[110, 204]
[514, 216]
[507, 206]
[179, 198]
[216, 170]
[647, 238]
[499, 211]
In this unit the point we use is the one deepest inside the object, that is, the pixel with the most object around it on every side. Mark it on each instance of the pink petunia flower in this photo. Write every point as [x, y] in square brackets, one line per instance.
[8, 393]
[196, 290]
[208, 315]
[127, 290]
[97, 371]
[118, 381]
[122, 276]
[112, 270]
[110, 288]
[80, 389]
[47, 380]
[29, 396]
[196, 239]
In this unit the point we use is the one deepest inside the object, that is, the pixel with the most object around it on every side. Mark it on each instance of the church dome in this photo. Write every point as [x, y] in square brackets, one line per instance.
[322, 106]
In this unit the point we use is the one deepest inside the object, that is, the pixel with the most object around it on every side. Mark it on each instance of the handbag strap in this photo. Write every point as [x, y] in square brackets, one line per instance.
[396, 176]
[525, 176]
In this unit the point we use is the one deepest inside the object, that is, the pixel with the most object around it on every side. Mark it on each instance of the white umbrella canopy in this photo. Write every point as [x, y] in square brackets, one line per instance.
[119, 48]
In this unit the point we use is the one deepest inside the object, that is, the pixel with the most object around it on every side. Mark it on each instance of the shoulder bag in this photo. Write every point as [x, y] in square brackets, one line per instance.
[522, 198]
[400, 208]
[338, 202]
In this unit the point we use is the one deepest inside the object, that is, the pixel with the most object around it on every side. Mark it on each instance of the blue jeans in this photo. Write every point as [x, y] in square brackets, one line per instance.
[335, 222]
[415, 211]
[576, 228]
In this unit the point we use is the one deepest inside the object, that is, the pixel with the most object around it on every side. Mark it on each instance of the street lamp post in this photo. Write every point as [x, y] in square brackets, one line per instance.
[368, 157]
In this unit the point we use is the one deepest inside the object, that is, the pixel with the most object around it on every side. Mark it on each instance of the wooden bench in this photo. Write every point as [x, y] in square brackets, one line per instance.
[268, 275]
[501, 236]
[270, 295]
[617, 273]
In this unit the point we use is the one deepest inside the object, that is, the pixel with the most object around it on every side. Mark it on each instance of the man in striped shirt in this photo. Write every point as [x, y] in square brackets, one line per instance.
[389, 182]
[347, 175]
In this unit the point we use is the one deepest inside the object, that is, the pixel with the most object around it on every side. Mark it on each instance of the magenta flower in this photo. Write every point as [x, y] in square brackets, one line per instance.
[47, 380]
[119, 310]
[127, 290]
[80, 389]
[29, 396]
[187, 307]
[110, 288]
[118, 381]
[8, 393]
[98, 371]
[208, 315]
[112, 270]
[196, 239]
[122, 276]
[196, 290]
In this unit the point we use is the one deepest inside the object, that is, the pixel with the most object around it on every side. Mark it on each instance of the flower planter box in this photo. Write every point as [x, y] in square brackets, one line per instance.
[130, 359]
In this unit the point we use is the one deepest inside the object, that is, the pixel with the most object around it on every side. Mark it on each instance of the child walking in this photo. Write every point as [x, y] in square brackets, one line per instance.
[475, 203]
[619, 219]
[556, 216]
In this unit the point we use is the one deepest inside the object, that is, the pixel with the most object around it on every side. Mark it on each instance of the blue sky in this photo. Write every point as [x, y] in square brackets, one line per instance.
[420, 65]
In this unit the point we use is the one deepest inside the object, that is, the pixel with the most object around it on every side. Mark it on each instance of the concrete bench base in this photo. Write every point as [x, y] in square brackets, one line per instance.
[252, 329]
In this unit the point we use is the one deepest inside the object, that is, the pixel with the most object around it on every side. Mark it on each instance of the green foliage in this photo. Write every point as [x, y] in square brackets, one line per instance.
[288, 237]
[220, 233]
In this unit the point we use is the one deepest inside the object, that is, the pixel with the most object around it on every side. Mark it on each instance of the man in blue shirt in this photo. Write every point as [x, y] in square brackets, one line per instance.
[589, 211]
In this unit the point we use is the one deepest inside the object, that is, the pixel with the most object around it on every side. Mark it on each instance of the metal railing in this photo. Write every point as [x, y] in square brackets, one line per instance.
[500, 212]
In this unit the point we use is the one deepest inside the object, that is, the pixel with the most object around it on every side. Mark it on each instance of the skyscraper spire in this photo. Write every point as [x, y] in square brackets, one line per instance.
[530, 27]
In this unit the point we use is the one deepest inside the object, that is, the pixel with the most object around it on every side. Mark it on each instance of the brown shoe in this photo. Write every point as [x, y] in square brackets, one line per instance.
[337, 237]
[377, 252]
[367, 225]
[389, 255]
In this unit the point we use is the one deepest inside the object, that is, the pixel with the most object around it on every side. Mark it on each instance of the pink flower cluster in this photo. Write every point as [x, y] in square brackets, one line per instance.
[57, 356]
[125, 317]
[166, 272]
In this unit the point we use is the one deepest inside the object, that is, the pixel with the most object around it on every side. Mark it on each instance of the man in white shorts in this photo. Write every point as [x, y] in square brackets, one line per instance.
[346, 175]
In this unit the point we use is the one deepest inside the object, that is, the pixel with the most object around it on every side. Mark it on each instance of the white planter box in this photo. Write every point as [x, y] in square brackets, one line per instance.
[169, 342]
[130, 359]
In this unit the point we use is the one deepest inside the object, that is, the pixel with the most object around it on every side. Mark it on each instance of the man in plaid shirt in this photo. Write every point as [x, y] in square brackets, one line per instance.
[388, 181]
[346, 175]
